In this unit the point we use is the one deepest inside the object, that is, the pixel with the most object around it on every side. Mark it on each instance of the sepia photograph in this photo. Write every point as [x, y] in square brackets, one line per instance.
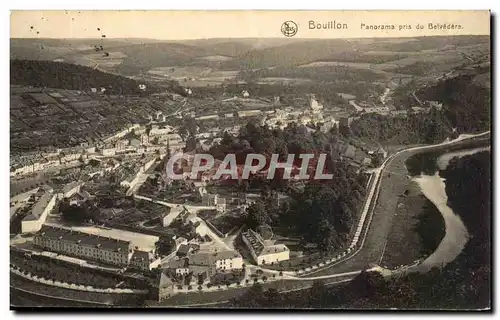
[250, 160]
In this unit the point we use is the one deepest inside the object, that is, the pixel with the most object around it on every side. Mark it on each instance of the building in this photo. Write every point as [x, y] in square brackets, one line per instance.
[94, 247]
[84, 245]
[379, 110]
[144, 260]
[227, 261]
[70, 189]
[248, 113]
[263, 253]
[222, 261]
[329, 125]
[213, 200]
[315, 105]
[38, 207]
[179, 267]
[165, 287]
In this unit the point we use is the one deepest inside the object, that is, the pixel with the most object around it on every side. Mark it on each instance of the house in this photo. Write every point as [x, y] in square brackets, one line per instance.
[227, 260]
[217, 261]
[361, 158]
[165, 287]
[70, 189]
[179, 267]
[329, 125]
[144, 260]
[79, 197]
[382, 153]
[263, 253]
[109, 152]
[183, 250]
[180, 241]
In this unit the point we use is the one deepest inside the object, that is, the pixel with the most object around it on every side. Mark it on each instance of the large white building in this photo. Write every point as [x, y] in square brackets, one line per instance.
[39, 206]
[263, 253]
[94, 247]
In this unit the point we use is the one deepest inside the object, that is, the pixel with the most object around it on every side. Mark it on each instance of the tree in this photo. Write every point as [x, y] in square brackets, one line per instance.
[165, 245]
[318, 295]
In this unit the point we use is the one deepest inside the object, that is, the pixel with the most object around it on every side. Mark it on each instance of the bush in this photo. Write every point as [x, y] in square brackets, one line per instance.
[264, 278]
[179, 287]
[199, 288]
[190, 287]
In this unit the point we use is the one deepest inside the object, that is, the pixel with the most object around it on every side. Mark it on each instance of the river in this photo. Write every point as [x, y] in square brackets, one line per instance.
[456, 236]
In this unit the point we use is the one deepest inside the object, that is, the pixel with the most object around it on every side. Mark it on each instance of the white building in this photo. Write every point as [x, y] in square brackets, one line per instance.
[39, 210]
[263, 253]
[109, 152]
[70, 189]
[248, 113]
[228, 260]
[85, 245]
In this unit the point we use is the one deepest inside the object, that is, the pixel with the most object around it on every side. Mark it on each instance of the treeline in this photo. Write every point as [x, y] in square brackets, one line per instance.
[74, 77]
[325, 73]
[416, 128]
[462, 284]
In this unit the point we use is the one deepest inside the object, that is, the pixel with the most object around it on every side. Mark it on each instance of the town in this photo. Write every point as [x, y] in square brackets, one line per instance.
[192, 182]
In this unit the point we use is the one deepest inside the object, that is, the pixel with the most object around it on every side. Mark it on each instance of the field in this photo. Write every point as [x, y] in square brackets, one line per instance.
[283, 80]
[193, 76]
[413, 212]
[215, 58]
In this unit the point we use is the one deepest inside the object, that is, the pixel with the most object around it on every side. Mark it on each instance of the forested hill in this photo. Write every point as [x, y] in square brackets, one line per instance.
[466, 108]
[467, 105]
[71, 77]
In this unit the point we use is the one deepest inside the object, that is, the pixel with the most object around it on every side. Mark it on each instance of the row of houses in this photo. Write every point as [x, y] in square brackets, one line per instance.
[30, 165]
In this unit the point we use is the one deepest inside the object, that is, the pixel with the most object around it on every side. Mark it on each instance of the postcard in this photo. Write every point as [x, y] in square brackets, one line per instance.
[333, 160]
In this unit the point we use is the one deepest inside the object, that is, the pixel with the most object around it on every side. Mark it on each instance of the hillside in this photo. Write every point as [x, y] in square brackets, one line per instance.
[467, 104]
[69, 76]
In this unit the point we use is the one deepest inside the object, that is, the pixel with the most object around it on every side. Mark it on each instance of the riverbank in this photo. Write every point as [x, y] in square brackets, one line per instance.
[456, 235]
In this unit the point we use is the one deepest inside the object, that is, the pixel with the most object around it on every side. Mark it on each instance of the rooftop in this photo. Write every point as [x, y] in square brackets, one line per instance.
[142, 241]
[255, 241]
[84, 239]
[39, 206]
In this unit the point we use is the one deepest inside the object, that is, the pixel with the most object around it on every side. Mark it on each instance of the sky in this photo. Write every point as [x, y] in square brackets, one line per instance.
[177, 25]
